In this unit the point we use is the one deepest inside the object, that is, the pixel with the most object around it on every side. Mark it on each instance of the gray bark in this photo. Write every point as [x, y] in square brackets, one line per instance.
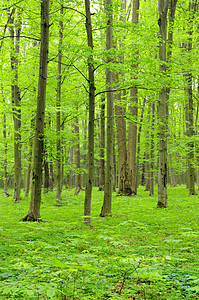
[58, 115]
[89, 184]
[107, 203]
[34, 210]
[16, 99]
[162, 109]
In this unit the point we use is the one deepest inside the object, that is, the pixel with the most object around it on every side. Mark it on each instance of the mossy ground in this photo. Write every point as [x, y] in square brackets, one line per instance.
[141, 252]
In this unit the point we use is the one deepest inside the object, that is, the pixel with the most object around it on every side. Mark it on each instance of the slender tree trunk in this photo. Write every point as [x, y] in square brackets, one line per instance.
[58, 127]
[34, 211]
[29, 166]
[107, 203]
[89, 184]
[162, 172]
[16, 99]
[152, 150]
[124, 178]
[102, 146]
[189, 84]
[5, 179]
[132, 139]
[77, 158]
[46, 172]
[138, 143]
[70, 181]
[5, 163]
[51, 176]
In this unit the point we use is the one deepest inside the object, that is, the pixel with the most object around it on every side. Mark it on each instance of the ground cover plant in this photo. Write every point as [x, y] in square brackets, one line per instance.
[141, 252]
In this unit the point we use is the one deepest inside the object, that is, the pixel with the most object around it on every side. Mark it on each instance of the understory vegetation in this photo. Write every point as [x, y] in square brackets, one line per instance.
[141, 252]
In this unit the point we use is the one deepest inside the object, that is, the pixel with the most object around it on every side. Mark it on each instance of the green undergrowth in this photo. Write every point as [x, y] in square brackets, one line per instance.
[141, 252]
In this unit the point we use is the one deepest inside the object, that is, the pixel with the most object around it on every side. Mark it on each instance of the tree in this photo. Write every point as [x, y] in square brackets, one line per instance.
[102, 146]
[162, 172]
[132, 139]
[107, 203]
[34, 210]
[58, 129]
[16, 100]
[89, 184]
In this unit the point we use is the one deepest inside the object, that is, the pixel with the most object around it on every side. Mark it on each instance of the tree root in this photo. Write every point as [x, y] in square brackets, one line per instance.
[31, 218]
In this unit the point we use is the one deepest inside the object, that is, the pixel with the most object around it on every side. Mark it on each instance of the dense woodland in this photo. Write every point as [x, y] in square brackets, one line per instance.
[99, 146]
[98, 94]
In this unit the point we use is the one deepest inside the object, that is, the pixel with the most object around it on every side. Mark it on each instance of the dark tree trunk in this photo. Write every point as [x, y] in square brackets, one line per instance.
[107, 203]
[138, 143]
[132, 139]
[58, 126]
[34, 211]
[16, 99]
[162, 109]
[89, 184]
[77, 158]
[102, 146]
[152, 150]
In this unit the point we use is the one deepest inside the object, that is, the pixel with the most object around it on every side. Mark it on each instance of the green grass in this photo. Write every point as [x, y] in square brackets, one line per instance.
[142, 252]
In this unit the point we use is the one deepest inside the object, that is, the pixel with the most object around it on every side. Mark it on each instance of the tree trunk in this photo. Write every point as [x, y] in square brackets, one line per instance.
[152, 150]
[46, 172]
[5, 162]
[29, 168]
[124, 179]
[58, 127]
[132, 140]
[70, 181]
[16, 99]
[77, 158]
[107, 203]
[89, 184]
[138, 143]
[162, 172]
[102, 146]
[51, 184]
[189, 106]
[34, 211]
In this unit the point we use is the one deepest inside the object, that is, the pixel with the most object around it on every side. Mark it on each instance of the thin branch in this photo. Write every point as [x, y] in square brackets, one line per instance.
[6, 8]
[127, 275]
[21, 36]
[8, 21]
[126, 88]
[79, 12]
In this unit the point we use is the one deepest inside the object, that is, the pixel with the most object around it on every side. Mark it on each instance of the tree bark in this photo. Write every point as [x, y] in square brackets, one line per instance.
[16, 99]
[189, 106]
[132, 139]
[34, 210]
[138, 143]
[107, 203]
[58, 115]
[162, 172]
[152, 150]
[89, 184]
[77, 158]
[29, 164]
[102, 146]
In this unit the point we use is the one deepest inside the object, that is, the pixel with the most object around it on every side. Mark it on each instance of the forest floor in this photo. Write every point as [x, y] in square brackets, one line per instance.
[141, 252]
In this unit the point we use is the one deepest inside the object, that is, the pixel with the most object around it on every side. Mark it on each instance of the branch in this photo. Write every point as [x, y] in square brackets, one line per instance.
[126, 88]
[79, 12]
[8, 21]
[17, 36]
[126, 276]
[12, 5]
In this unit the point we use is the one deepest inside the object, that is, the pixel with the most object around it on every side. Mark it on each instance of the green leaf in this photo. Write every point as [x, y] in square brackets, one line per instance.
[51, 293]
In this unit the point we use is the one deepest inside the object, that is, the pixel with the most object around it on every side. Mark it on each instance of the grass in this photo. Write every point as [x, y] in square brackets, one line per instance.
[142, 252]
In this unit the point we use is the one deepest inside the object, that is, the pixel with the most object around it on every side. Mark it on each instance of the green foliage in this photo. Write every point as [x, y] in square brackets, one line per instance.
[140, 253]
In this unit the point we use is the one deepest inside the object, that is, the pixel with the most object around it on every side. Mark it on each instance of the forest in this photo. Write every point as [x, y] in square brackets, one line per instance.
[99, 149]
